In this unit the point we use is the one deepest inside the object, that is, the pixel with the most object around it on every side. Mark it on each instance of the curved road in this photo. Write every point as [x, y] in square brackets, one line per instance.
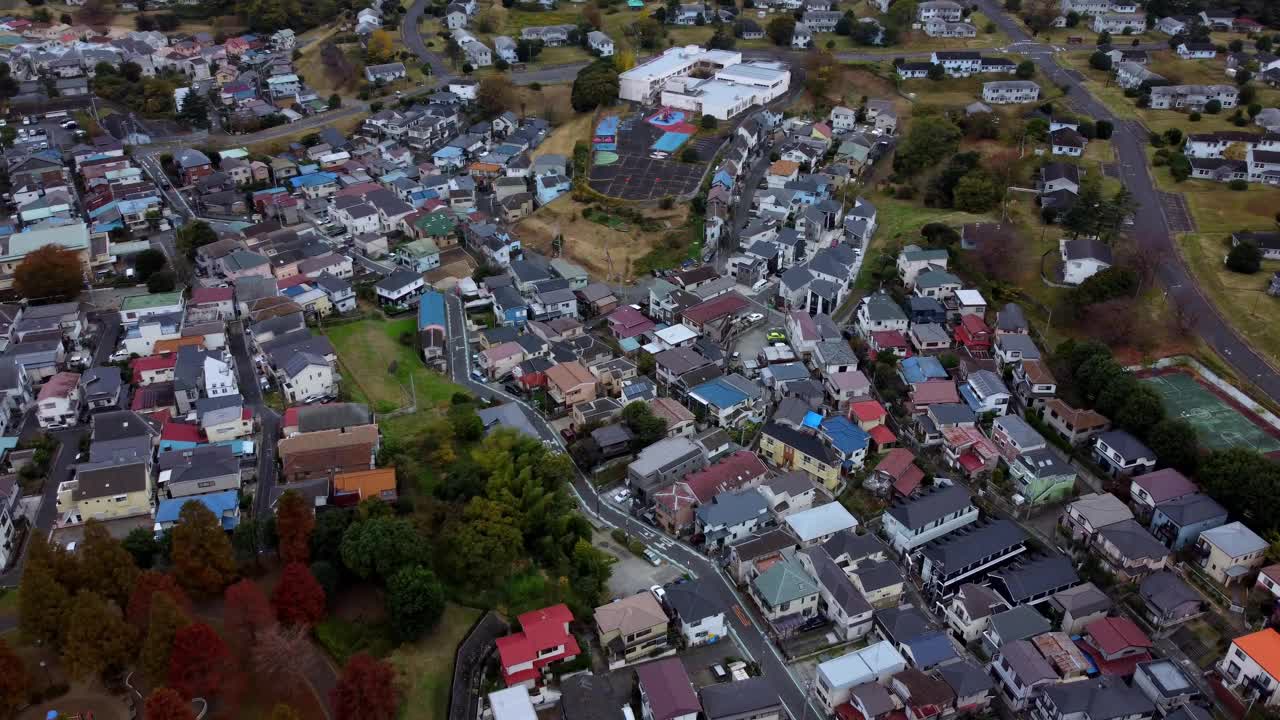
[1151, 227]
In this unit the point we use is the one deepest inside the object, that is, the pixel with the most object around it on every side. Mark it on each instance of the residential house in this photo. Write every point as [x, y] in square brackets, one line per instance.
[1075, 426]
[697, 613]
[666, 693]
[1129, 550]
[1033, 581]
[913, 522]
[1228, 553]
[1119, 453]
[837, 678]
[59, 402]
[1179, 521]
[1092, 512]
[1251, 667]
[632, 628]
[544, 638]
[1078, 606]
[1167, 600]
[786, 594]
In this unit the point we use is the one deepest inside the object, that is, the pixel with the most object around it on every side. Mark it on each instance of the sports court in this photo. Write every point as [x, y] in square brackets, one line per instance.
[634, 156]
[1218, 423]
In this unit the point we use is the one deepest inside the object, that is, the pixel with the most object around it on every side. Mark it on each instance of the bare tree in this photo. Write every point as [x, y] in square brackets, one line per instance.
[282, 657]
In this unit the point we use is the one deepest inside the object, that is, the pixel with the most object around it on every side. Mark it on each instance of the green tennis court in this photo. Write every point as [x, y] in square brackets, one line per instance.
[1219, 425]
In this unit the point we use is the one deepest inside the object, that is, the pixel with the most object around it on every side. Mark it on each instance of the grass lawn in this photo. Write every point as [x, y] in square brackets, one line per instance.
[1240, 298]
[8, 603]
[367, 349]
[426, 667]
[899, 223]
[562, 139]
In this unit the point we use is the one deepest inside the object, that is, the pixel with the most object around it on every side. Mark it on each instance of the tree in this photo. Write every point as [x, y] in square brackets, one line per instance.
[150, 584]
[484, 544]
[98, 639]
[294, 524]
[15, 681]
[284, 712]
[496, 95]
[365, 690]
[43, 601]
[163, 281]
[326, 537]
[465, 423]
[781, 29]
[1104, 128]
[1140, 411]
[596, 84]
[381, 47]
[930, 139]
[202, 558]
[149, 262]
[193, 236]
[166, 704]
[1244, 258]
[49, 273]
[1026, 70]
[415, 601]
[166, 619]
[247, 615]
[335, 101]
[1179, 167]
[200, 662]
[282, 657]
[624, 60]
[107, 568]
[1100, 61]
[194, 110]
[977, 192]
[298, 599]
[1174, 442]
[647, 427]
[380, 547]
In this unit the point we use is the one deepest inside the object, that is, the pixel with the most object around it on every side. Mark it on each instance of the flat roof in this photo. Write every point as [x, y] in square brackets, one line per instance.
[677, 58]
[143, 302]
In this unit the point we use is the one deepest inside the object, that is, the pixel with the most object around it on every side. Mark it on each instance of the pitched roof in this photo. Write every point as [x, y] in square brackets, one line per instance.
[1263, 647]
[1235, 540]
[1113, 634]
[740, 698]
[784, 581]
[1133, 541]
[1166, 484]
[630, 614]
[919, 512]
[1165, 591]
[668, 689]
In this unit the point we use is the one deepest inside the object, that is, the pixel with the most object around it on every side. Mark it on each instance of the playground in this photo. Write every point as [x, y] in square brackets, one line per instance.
[1218, 422]
[633, 157]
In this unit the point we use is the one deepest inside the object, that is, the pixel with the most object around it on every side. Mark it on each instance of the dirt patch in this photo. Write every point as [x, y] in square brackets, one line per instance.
[562, 139]
[549, 102]
[603, 252]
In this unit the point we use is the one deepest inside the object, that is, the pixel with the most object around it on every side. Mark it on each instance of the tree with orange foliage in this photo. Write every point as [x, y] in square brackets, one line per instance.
[298, 598]
[166, 704]
[294, 523]
[15, 681]
[49, 273]
[150, 582]
[366, 690]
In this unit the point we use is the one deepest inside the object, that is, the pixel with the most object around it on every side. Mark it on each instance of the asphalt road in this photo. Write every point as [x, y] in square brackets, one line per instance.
[268, 419]
[750, 635]
[59, 471]
[1151, 227]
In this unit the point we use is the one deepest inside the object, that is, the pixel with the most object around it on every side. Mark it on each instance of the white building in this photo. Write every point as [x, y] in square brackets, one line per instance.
[305, 377]
[600, 44]
[731, 91]
[874, 663]
[219, 378]
[58, 404]
[1010, 91]
[1082, 259]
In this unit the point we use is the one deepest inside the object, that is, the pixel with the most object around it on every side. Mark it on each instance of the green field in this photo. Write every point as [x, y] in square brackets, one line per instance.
[426, 667]
[379, 366]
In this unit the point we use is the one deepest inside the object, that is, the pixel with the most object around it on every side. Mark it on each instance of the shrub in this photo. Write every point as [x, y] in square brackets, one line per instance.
[1194, 117]
[667, 202]
[1244, 258]
[1238, 185]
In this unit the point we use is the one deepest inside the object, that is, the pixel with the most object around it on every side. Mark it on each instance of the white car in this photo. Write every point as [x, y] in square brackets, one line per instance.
[658, 593]
[119, 356]
[760, 285]
[621, 495]
[755, 317]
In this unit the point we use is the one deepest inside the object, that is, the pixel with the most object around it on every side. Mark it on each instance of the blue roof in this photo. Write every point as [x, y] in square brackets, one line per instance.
[719, 393]
[447, 151]
[812, 419]
[846, 437]
[931, 649]
[431, 310]
[723, 178]
[970, 399]
[919, 368]
[219, 503]
[629, 345]
[310, 179]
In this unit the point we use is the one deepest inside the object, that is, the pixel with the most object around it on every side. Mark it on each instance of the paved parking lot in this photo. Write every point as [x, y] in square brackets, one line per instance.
[1175, 209]
[632, 574]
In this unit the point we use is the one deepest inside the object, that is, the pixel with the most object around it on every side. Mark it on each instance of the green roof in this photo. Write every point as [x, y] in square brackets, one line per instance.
[418, 248]
[784, 581]
[436, 223]
[143, 302]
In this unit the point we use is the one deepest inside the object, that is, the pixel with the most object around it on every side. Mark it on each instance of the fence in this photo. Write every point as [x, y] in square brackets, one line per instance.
[468, 666]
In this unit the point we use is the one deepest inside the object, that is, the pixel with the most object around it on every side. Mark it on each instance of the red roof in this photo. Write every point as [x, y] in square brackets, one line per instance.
[541, 630]
[203, 295]
[846, 711]
[909, 482]
[895, 462]
[181, 432]
[291, 281]
[290, 417]
[883, 435]
[970, 463]
[731, 473]
[166, 361]
[716, 307]
[59, 385]
[974, 324]
[866, 411]
[1113, 634]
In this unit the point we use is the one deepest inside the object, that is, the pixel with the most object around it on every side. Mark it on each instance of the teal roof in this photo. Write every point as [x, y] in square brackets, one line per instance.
[785, 581]
[143, 302]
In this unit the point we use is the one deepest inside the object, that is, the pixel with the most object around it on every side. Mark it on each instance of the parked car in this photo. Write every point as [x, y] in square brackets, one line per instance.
[760, 285]
[776, 335]
[755, 317]
[622, 494]
[652, 557]
[119, 356]
[659, 593]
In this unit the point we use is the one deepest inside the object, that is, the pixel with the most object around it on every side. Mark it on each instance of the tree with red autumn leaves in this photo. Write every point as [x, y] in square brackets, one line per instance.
[366, 690]
[200, 662]
[138, 613]
[166, 704]
[294, 523]
[299, 599]
[15, 681]
[246, 614]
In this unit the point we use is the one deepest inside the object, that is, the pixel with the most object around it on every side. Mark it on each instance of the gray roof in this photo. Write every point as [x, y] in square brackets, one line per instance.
[876, 574]
[1235, 539]
[332, 416]
[1019, 343]
[1020, 430]
[1100, 699]
[979, 601]
[965, 678]
[1167, 678]
[743, 697]
[1165, 591]
[987, 383]
[946, 414]
[972, 543]
[733, 508]
[875, 698]
[831, 577]
[611, 435]
[1019, 623]
[691, 602]
[1044, 463]
[1027, 662]
[298, 363]
[1191, 509]
[763, 543]
[101, 381]
[931, 333]
[1083, 600]
[121, 424]
[1081, 248]
[588, 697]
[1010, 318]
[881, 307]
[927, 508]
[903, 623]
[1027, 579]
[1129, 447]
